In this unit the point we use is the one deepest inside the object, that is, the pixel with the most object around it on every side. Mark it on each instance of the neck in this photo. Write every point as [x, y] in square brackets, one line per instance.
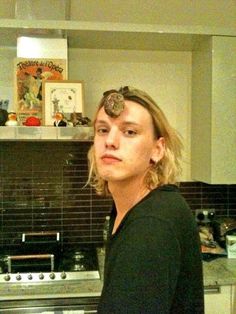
[126, 195]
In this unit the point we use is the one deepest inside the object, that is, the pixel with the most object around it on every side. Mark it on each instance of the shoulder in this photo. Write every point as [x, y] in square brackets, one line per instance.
[169, 195]
[165, 203]
[166, 211]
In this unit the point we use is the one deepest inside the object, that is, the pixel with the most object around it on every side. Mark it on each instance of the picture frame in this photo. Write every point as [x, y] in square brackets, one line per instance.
[30, 74]
[64, 96]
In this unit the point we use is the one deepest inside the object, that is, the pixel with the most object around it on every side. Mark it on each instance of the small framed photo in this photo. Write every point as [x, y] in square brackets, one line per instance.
[63, 96]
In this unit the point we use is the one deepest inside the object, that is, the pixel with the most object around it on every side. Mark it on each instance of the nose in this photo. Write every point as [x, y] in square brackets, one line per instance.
[112, 139]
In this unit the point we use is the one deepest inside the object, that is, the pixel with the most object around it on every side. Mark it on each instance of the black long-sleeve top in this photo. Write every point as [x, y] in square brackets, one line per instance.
[153, 262]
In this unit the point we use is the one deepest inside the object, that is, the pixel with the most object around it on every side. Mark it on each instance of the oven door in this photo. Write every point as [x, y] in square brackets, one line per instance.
[81, 305]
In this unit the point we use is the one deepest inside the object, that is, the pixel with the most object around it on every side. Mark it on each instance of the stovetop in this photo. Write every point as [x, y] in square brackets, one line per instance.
[78, 263]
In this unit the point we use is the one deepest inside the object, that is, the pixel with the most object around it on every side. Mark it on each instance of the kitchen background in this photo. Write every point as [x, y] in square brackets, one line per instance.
[42, 188]
[42, 183]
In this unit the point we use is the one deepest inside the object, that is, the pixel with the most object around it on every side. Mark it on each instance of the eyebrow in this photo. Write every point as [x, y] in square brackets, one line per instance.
[123, 122]
[99, 121]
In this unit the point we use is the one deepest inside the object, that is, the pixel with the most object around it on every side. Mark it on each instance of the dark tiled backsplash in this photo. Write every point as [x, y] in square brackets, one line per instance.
[42, 188]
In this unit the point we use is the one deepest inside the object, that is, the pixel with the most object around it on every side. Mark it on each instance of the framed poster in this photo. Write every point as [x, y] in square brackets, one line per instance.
[64, 96]
[29, 77]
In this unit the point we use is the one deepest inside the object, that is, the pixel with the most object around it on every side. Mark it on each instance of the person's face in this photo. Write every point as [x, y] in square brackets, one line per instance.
[38, 74]
[124, 146]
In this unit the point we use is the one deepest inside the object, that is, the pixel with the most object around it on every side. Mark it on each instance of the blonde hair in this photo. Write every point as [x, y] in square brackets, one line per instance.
[166, 170]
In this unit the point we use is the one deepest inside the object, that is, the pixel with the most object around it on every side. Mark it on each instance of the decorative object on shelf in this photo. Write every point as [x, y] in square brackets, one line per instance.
[30, 74]
[32, 121]
[77, 119]
[62, 96]
[4, 104]
[3, 116]
[12, 119]
[59, 119]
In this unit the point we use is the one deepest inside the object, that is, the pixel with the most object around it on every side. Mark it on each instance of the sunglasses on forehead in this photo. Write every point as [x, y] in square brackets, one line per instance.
[114, 100]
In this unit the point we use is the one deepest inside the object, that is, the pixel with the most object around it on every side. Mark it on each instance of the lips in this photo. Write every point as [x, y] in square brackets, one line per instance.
[109, 158]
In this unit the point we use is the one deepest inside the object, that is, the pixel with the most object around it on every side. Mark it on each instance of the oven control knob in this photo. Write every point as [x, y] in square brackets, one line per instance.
[18, 277]
[52, 276]
[41, 276]
[30, 277]
[63, 275]
[7, 277]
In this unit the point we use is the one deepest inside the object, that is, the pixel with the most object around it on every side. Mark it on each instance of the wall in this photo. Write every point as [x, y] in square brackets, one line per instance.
[166, 76]
[213, 110]
[42, 189]
[7, 56]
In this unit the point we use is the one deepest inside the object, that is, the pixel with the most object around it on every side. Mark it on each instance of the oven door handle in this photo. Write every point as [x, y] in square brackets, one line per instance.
[11, 258]
[41, 234]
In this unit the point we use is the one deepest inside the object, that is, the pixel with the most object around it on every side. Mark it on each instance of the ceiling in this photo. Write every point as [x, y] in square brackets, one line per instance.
[173, 12]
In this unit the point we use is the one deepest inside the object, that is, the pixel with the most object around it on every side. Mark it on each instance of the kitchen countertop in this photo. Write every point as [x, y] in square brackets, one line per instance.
[80, 288]
[221, 271]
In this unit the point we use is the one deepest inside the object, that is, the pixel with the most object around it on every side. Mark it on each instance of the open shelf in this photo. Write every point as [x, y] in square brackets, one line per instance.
[44, 133]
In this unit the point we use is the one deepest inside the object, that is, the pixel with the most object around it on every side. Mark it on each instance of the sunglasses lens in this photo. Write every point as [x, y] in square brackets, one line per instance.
[114, 104]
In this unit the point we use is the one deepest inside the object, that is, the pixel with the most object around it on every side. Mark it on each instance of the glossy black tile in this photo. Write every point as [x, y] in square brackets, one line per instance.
[42, 188]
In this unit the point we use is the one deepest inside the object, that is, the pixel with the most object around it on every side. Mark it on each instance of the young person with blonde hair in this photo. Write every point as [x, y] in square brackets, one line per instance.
[153, 260]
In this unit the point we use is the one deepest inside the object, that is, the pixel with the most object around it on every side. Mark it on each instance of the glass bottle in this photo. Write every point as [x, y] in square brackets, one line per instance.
[106, 232]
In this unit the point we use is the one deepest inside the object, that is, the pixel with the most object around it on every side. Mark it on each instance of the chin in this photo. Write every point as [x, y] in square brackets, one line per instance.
[109, 176]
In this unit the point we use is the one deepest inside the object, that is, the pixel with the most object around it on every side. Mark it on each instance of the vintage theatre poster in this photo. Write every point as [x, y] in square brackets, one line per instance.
[29, 77]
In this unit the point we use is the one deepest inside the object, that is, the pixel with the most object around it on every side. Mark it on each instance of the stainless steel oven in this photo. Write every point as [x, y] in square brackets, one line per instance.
[75, 305]
[41, 258]
[40, 277]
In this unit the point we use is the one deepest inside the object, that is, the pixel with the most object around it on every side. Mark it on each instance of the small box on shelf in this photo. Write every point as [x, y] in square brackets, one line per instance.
[231, 246]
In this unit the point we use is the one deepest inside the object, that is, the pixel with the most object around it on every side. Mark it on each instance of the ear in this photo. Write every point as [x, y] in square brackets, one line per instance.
[158, 150]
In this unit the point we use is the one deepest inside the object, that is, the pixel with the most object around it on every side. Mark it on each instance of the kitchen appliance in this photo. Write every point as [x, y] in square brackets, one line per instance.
[86, 305]
[204, 216]
[222, 227]
[40, 258]
[40, 276]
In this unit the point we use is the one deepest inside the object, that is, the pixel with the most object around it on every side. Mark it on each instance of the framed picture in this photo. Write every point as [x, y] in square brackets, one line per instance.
[29, 76]
[62, 96]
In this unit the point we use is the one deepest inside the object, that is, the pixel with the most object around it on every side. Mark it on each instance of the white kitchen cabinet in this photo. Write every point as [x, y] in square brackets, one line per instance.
[218, 300]
[213, 145]
[233, 299]
[111, 35]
